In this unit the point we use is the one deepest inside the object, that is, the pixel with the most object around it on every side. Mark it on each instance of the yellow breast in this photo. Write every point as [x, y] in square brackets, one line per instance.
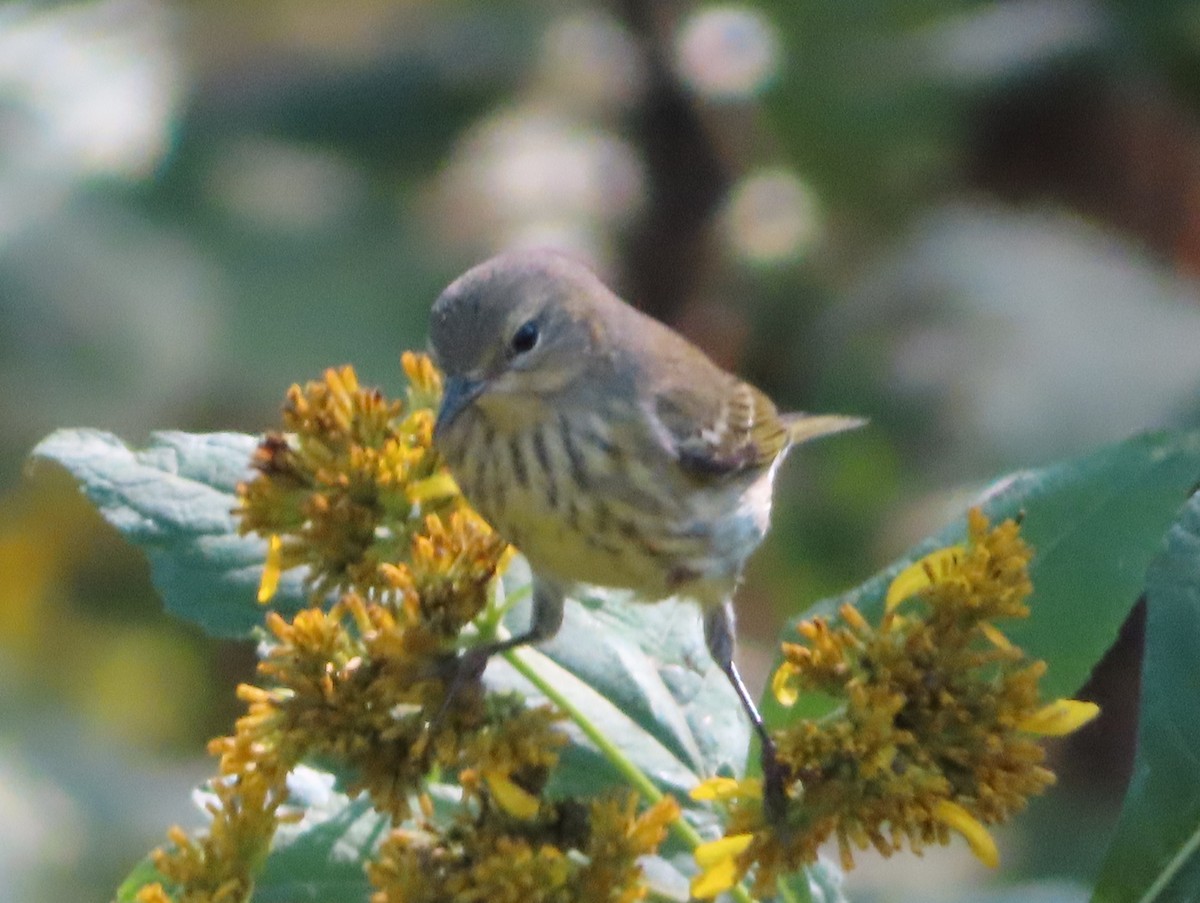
[572, 496]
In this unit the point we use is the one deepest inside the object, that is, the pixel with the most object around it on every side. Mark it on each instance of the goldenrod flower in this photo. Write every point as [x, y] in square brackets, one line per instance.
[431, 489]
[724, 789]
[565, 852]
[937, 567]
[935, 727]
[785, 684]
[719, 868]
[1061, 717]
[272, 569]
[356, 491]
[351, 483]
[514, 800]
[978, 838]
[153, 893]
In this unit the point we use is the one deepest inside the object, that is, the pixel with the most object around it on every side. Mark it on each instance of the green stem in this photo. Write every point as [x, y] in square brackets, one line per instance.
[786, 895]
[634, 775]
[499, 604]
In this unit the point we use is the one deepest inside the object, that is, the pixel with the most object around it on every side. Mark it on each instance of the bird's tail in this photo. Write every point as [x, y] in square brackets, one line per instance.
[805, 427]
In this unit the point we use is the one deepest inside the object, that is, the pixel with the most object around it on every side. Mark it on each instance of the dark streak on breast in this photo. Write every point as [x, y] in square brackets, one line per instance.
[603, 517]
[578, 471]
[542, 454]
[634, 534]
[520, 470]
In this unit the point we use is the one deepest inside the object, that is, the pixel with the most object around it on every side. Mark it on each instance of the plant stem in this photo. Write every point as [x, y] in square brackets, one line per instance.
[786, 895]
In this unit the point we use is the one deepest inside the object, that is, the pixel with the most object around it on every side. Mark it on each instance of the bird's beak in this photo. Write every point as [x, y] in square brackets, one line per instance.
[460, 391]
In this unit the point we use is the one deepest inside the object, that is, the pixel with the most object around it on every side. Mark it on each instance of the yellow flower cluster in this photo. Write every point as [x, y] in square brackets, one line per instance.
[357, 493]
[564, 852]
[935, 730]
[220, 865]
[350, 482]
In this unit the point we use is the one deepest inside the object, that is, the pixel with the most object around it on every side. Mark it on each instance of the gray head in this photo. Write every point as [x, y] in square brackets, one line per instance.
[519, 325]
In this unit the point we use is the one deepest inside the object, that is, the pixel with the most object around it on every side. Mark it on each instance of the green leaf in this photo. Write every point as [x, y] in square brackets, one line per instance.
[821, 882]
[642, 673]
[175, 500]
[663, 662]
[1095, 524]
[1155, 855]
[143, 873]
[1059, 891]
[320, 858]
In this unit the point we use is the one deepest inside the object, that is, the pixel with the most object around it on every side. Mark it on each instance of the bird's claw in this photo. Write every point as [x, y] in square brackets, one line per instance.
[776, 777]
[458, 671]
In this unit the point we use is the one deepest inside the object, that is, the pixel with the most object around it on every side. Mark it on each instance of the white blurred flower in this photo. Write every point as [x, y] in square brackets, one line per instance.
[592, 61]
[40, 823]
[309, 788]
[86, 89]
[727, 52]
[532, 176]
[1004, 40]
[285, 187]
[771, 216]
[1032, 334]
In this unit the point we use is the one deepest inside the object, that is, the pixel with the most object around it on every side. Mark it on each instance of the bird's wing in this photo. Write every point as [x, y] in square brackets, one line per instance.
[733, 429]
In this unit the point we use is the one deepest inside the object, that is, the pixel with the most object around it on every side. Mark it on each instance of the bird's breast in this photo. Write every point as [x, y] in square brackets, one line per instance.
[589, 498]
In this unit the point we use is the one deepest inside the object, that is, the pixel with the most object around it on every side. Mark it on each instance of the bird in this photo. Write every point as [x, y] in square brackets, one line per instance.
[608, 449]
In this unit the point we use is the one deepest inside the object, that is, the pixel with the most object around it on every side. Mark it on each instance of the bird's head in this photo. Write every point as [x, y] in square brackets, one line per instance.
[514, 329]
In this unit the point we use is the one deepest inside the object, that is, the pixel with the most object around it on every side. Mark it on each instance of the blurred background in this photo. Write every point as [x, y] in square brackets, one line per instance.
[977, 223]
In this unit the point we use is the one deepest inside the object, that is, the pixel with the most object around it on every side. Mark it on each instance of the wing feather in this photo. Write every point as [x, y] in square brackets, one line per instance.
[725, 433]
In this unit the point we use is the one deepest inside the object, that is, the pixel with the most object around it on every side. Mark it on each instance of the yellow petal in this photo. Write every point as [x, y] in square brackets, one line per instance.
[514, 800]
[977, 836]
[854, 619]
[995, 636]
[714, 789]
[1059, 717]
[922, 574]
[439, 486]
[784, 685]
[727, 789]
[269, 583]
[344, 381]
[505, 559]
[711, 853]
[152, 893]
[713, 881]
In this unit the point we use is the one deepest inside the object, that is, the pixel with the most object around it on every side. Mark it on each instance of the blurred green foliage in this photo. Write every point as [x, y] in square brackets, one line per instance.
[974, 222]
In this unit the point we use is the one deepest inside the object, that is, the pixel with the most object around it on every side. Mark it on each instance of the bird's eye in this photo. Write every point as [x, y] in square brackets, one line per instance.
[524, 338]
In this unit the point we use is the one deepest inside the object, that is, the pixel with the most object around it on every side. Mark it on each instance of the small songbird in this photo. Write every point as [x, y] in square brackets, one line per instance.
[607, 448]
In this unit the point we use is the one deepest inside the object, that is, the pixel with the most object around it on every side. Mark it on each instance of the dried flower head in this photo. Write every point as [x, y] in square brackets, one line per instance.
[565, 853]
[357, 492]
[351, 482]
[936, 729]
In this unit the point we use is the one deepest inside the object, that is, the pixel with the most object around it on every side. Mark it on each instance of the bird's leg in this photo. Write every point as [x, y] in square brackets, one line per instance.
[544, 622]
[719, 635]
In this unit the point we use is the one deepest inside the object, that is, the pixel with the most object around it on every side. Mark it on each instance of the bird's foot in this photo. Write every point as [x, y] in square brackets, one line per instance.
[776, 778]
[458, 671]
[464, 667]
